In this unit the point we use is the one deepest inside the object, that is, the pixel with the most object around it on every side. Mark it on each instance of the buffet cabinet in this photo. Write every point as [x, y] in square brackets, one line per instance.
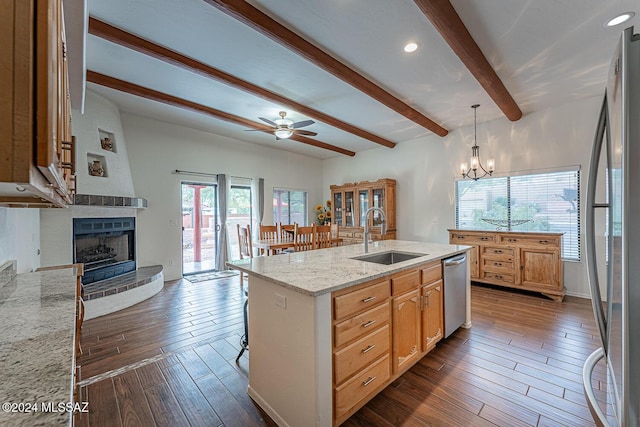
[528, 261]
[350, 203]
[380, 329]
[37, 162]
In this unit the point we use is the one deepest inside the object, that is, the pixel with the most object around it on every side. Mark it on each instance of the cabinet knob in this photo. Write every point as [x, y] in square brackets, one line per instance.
[497, 264]
[543, 241]
[484, 239]
[497, 251]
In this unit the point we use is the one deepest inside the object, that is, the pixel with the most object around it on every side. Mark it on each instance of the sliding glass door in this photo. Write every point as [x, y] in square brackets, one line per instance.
[199, 227]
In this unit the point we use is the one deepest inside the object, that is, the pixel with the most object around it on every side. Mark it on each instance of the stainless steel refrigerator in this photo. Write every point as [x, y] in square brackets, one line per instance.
[616, 149]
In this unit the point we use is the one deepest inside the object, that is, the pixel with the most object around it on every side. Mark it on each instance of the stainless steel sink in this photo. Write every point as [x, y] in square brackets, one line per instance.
[389, 257]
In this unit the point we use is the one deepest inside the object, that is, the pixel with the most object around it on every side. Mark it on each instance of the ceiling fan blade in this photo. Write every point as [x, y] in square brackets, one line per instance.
[268, 122]
[304, 132]
[302, 124]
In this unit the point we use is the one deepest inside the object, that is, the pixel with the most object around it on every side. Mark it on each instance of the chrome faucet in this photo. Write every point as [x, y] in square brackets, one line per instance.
[367, 233]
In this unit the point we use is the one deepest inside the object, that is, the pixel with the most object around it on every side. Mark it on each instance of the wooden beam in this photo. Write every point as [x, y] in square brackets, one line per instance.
[259, 21]
[446, 20]
[113, 34]
[143, 92]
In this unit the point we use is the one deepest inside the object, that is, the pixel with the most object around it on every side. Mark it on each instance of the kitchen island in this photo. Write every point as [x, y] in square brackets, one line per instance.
[327, 332]
[37, 341]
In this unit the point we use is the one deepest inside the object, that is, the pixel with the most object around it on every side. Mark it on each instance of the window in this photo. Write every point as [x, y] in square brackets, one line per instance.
[290, 206]
[543, 202]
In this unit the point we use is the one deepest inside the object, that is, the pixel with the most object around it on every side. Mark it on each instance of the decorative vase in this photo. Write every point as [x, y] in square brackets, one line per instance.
[96, 168]
[106, 144]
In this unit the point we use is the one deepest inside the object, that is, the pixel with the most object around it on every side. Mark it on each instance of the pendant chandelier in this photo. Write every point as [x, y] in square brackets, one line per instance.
[475, 170]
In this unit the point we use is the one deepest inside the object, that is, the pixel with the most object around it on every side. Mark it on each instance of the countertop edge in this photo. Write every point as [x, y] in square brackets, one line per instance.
[400, 267]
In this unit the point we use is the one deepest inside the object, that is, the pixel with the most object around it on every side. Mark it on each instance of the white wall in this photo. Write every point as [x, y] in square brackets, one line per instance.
[427, 167]
[20, 238]
[156, 149]
[101, 114]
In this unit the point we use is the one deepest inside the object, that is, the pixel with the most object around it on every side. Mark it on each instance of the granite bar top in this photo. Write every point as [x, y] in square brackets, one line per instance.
[37, 327]
[326, 270]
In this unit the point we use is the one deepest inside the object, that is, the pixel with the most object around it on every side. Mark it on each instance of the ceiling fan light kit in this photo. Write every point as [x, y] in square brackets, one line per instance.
[474, 170]
[284, 128]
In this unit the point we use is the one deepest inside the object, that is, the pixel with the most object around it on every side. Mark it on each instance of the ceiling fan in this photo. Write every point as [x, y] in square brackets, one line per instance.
[284, 128]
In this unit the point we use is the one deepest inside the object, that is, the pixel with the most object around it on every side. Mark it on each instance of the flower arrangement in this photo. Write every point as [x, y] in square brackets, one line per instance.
[323, 213]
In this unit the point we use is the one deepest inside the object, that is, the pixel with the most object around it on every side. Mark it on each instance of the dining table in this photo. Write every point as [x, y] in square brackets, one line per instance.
[272, 246]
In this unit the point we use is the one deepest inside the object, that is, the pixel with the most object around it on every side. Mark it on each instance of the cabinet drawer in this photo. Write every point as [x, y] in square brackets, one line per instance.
[471, 238]
[360, 325]
[498, 252]
[361, 386]
[530, 241]
[499, 265]
[431, 272]
[505, 278]
[362, 299]
[359, 354]
[405, 281]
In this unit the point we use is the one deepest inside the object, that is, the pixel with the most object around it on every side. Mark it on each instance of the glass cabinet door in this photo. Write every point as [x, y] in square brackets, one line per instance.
[337, 209]
[349, 208]
[363, 204]
[378, 202]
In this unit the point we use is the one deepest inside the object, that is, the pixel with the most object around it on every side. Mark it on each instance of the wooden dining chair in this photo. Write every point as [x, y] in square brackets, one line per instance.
[286, 231]
[322, 236]
[244, 242]
[303, 238]
[267, 232]
[335, 234]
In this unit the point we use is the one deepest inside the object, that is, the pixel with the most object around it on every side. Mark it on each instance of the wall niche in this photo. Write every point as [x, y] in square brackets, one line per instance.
[97, 165]
[107, 140]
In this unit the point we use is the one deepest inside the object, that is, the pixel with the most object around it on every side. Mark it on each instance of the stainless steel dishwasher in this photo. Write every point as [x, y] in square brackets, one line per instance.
[455, 293]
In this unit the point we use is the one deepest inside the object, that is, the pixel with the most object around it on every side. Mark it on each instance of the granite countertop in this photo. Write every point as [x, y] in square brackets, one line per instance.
[326, 270]
[37, 327]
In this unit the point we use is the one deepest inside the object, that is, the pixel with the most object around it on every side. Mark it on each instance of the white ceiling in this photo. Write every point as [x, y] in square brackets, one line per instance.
[546, 52]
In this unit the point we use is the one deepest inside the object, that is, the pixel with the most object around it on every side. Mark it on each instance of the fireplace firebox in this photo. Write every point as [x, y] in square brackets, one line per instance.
[106, 247]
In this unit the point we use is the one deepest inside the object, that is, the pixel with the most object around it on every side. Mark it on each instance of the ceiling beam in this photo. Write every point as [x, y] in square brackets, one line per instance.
[264, 24]
[448, 23]
[113, 34]
[143, 92]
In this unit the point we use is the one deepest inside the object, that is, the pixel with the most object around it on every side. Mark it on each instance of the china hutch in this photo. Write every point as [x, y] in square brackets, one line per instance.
[350, 203]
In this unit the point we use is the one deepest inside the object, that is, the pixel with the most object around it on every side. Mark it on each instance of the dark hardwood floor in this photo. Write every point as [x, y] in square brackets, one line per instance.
[171, 361]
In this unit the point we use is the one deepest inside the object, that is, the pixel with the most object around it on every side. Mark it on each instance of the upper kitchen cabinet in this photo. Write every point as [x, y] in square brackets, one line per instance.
[350, 204]
[36, 146]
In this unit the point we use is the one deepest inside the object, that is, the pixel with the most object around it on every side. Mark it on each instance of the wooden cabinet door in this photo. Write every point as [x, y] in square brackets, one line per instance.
[406, 330]
[432, 322]
[539, 268]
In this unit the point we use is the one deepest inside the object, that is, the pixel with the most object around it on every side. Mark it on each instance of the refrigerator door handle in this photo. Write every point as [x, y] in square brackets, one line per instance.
[591, 205]
[587, 371]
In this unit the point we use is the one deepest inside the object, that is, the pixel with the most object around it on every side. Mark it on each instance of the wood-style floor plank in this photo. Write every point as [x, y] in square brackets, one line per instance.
[131, 400]
[519, 365]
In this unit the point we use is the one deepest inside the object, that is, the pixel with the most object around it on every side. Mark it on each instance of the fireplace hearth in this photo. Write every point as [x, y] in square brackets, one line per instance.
[106, 247]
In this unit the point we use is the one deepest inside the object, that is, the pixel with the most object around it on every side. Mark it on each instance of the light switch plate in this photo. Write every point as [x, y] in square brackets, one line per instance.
[281, 300]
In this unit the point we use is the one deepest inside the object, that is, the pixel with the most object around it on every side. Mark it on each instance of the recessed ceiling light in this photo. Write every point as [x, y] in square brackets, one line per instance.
[411, 47]
[623, 17]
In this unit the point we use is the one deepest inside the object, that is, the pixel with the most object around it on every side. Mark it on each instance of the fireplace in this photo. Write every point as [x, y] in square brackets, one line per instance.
[106, 247]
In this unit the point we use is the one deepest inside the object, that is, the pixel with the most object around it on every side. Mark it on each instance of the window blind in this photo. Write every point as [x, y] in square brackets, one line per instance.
[538, 202]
